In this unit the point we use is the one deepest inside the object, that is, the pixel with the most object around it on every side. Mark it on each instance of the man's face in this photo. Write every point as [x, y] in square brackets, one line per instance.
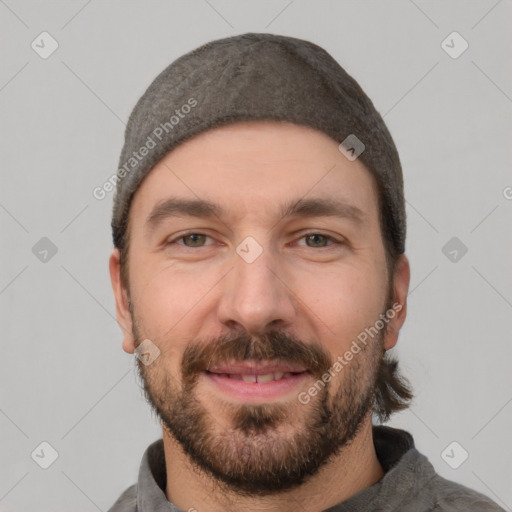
[252, 305]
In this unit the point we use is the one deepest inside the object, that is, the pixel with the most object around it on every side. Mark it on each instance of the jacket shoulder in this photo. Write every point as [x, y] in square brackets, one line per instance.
[127, 502]
[450, 496]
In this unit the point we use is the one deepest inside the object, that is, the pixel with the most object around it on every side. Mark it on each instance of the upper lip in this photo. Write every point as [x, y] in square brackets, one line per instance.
[256, 368]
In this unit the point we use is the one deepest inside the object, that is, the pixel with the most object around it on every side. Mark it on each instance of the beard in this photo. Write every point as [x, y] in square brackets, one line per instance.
[269, 448]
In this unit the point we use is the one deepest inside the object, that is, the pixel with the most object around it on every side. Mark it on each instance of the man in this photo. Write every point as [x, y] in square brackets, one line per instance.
[260, 277]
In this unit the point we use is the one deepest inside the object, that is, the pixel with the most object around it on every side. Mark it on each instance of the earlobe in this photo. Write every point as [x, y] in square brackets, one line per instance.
[122, 300]
[401, 288]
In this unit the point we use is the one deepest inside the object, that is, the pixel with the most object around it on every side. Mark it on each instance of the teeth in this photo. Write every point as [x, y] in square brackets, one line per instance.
[266, 378]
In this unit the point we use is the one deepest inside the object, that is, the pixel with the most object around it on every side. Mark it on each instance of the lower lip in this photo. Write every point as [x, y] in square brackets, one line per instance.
[256, 391]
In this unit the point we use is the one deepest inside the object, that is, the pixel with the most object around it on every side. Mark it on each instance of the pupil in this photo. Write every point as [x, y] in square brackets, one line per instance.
[315, 237]
[193, 238]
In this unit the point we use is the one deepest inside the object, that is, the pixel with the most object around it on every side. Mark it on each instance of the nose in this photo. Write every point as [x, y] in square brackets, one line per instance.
[256, 296]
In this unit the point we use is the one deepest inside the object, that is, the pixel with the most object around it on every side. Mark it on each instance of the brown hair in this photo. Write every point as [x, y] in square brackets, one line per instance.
[393, 392]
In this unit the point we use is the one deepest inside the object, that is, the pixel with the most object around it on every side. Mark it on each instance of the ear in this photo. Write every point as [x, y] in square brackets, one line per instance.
[401, 287]
[121, 296]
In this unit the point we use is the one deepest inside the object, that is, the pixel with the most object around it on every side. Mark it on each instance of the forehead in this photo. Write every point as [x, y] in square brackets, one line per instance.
[257, 169]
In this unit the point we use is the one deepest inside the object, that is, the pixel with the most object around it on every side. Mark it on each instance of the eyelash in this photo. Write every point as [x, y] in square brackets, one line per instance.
[185, 235]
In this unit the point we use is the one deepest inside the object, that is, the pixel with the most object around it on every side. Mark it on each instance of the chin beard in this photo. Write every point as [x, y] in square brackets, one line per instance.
[258, 450]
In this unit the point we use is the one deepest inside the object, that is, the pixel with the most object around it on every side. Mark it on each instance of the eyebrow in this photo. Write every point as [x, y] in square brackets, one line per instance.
[201, 208]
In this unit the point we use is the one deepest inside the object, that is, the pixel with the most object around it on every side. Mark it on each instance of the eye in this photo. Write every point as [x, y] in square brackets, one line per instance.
[196, 240]
[318, 239]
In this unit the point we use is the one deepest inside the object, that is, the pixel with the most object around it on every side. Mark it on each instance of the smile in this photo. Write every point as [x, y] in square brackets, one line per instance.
[256, 382]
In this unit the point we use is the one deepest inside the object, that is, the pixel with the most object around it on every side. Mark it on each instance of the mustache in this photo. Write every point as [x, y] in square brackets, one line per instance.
[275, 346]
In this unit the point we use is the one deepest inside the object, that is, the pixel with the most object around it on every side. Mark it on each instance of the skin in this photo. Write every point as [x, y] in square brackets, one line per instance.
[327, 292]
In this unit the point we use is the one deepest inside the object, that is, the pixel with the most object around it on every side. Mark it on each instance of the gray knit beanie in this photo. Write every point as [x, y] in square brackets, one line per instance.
[259, 76]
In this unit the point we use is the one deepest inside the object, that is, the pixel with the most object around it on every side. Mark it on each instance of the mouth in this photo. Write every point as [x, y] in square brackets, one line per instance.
[256, 382]
[259, 378]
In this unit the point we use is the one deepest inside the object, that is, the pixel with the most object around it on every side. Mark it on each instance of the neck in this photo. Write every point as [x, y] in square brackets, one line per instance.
[354, 469]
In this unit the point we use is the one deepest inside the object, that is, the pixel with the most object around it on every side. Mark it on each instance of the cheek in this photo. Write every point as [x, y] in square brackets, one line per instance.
[167, 302]
[347, 300]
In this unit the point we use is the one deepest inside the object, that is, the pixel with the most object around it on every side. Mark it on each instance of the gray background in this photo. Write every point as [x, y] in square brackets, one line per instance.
[64, 377]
